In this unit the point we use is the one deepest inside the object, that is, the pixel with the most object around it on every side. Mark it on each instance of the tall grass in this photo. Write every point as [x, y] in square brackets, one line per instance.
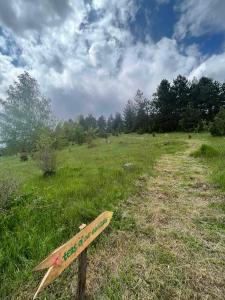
[47, 211]
[212, 151]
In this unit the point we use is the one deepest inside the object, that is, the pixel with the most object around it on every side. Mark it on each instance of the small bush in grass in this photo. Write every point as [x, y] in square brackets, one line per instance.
[46, 155]
[23, 155]
[205, 151]
[8, 187]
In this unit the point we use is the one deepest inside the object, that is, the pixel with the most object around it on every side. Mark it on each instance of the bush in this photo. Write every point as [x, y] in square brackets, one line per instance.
[23, 156]
[8, 187]
[46, 156]
[218, 125]
[205, 151]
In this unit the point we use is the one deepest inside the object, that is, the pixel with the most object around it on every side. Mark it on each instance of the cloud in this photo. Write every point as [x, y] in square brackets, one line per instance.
[8, 73]
[200, 17]
[212, 67]
[25, 15]
[84, 55]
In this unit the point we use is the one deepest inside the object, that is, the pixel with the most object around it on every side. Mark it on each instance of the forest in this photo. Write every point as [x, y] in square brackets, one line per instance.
[183, 105]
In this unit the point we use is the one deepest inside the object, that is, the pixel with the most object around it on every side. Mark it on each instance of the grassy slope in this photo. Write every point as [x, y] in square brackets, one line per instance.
[176, 250]
[48, 210]
[216, 162]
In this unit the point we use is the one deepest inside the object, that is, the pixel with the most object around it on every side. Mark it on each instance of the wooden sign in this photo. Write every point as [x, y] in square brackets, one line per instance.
[63, 256]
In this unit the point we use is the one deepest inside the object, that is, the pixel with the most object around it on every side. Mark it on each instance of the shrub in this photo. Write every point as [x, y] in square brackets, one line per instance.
[23, 156]
[205, 151]
[218, 125]
[8, 187]
[46, 155]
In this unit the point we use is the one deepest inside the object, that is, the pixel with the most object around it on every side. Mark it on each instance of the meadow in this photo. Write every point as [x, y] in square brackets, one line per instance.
[47, 211]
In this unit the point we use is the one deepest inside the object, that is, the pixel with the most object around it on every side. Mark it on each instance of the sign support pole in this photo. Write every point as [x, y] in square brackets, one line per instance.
[82, 271]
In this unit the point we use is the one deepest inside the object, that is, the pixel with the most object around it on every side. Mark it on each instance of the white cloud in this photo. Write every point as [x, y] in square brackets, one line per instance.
[200, 17]
[86, 58]
[213, 67]
[8, 73]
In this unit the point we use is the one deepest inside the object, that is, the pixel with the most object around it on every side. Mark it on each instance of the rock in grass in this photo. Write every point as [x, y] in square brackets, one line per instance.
[128, 166]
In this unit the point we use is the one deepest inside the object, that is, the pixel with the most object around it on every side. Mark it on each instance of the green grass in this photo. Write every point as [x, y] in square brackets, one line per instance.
[212, 152]
[205, 151]
[48, 211]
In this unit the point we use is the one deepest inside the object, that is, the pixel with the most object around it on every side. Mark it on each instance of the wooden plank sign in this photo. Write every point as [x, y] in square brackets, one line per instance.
[63, 256]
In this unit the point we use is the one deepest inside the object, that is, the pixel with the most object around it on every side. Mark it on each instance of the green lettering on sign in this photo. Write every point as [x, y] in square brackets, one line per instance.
[74, 248]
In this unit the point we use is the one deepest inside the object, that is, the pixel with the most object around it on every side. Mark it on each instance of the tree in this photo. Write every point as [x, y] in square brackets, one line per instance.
[110, 124]
[24, 113]
[180, 94]
[129, 117]
[165, 108]
[142, 111]
[90, 122]
[206, 96]
[190, 118]
[79, 134]
[117, 125]
[61, 140]
[90, 135]
[218, 125]
[45, 155]
[102, 126]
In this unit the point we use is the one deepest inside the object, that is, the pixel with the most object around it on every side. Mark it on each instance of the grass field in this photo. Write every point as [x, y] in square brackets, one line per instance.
[48, 211]
[215, 159]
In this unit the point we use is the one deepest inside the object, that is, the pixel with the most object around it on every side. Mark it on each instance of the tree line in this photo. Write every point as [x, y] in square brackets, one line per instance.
[182, 105]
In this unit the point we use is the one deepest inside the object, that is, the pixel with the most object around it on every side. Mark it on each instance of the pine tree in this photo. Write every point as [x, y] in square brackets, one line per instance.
[129, 117]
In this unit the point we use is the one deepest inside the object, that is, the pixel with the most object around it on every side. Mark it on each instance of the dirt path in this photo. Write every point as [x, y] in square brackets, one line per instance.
[175, 245]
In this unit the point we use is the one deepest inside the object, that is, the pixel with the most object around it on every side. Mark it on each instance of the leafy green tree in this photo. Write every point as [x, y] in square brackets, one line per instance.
[46, 155]
[61, 139]
[218, 125]
[23, 114]
[68, 130]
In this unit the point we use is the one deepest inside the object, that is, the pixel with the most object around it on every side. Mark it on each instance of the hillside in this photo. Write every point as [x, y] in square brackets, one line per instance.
[168, 215]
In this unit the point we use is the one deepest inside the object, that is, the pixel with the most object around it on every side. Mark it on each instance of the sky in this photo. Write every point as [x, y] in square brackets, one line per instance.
[91, 56]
